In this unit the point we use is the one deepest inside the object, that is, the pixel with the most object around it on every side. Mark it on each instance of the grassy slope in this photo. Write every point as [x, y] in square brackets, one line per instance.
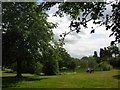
[102, 79]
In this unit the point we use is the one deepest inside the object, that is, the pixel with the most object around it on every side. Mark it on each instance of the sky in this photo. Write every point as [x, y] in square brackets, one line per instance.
[83, 43]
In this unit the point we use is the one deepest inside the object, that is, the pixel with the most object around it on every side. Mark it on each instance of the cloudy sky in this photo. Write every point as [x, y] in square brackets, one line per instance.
[83, 43]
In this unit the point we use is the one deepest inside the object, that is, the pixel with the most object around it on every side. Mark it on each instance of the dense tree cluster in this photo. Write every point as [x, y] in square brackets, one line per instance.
[111, 54]
[28, 43]
[107, 58]
[26, 36]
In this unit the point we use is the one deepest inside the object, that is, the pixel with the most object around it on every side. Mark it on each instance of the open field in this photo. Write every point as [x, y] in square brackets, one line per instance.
[80, 79]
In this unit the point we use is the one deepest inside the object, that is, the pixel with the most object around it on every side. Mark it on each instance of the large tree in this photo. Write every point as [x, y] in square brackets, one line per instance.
[26, 33]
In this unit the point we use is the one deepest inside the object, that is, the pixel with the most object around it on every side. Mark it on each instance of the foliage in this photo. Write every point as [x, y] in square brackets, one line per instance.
[26, 33]
[38, 68]
[50, 61]
[104, 54]
[108, 52]
[29, 67]
[114, 50]
[65, 58]
[50, 67]
[83, 12]
[90, 62]
[27, 36]
[105, 66]
[72, 65]
[115, 61]
[95, 54]
[83, 62]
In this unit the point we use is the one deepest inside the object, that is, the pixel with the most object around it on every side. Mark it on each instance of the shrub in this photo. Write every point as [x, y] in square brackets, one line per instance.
[72, 65]
[29, 67]
[50, 67]
[38, 68]
[115, 61]
[90, 62]
[105, 66]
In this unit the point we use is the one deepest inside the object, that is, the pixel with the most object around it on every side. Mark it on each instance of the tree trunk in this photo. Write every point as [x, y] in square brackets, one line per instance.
[19, 73]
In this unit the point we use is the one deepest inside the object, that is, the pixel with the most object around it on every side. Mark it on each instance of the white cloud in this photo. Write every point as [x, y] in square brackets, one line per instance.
[83, 43]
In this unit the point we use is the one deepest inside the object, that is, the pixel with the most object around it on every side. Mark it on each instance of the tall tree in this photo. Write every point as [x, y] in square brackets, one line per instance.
[104, 54]
[26, 33]
[114, 50]
[95, 54]
[101, 54]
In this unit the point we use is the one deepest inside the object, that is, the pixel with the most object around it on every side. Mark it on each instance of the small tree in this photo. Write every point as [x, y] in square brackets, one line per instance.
[92, 62]
[72, 65]
[50, 62]
[105, 66]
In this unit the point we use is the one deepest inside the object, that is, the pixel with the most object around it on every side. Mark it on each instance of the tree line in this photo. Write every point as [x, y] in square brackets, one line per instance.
[108, 58]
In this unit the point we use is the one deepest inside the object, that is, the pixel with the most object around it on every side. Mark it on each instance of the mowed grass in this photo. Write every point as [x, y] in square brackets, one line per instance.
[80, 79]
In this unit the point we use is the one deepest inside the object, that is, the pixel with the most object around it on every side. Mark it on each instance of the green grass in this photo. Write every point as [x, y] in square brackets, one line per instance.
[80, 79]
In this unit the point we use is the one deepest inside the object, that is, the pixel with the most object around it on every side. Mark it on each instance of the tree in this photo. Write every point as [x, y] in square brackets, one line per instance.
[50, 61]
[89, 11]
[83, 62]
[26, 33]
[88, 62]
[92, 62]
[95, 54]
[72, 65]
[114, 50]
[93, 11]
[115, 61]
[101, 54]
[65, 57]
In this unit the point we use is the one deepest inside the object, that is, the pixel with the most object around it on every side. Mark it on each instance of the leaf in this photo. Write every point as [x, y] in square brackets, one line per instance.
[79, 18]
[60, 35]
[112, 43]
[93, 31]
[77, 31]
[108, 27]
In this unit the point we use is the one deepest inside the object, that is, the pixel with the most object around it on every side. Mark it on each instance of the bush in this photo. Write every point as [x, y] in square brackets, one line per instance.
[50, 67]
[38, 68]
[105, 66]
[90, 62]
[114, 61]
[29, 67]
[72, 65]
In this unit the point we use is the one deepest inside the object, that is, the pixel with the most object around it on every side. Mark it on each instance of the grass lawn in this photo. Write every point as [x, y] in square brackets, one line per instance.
[80, 79]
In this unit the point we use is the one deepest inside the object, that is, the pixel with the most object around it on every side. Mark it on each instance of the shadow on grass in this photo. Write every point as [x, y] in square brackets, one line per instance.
[12, 81]
[8, 72]
[117, 77]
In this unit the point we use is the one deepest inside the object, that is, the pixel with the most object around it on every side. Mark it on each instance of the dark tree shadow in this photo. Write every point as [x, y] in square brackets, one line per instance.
[116, 77]
[12, 81]
[8, 72]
